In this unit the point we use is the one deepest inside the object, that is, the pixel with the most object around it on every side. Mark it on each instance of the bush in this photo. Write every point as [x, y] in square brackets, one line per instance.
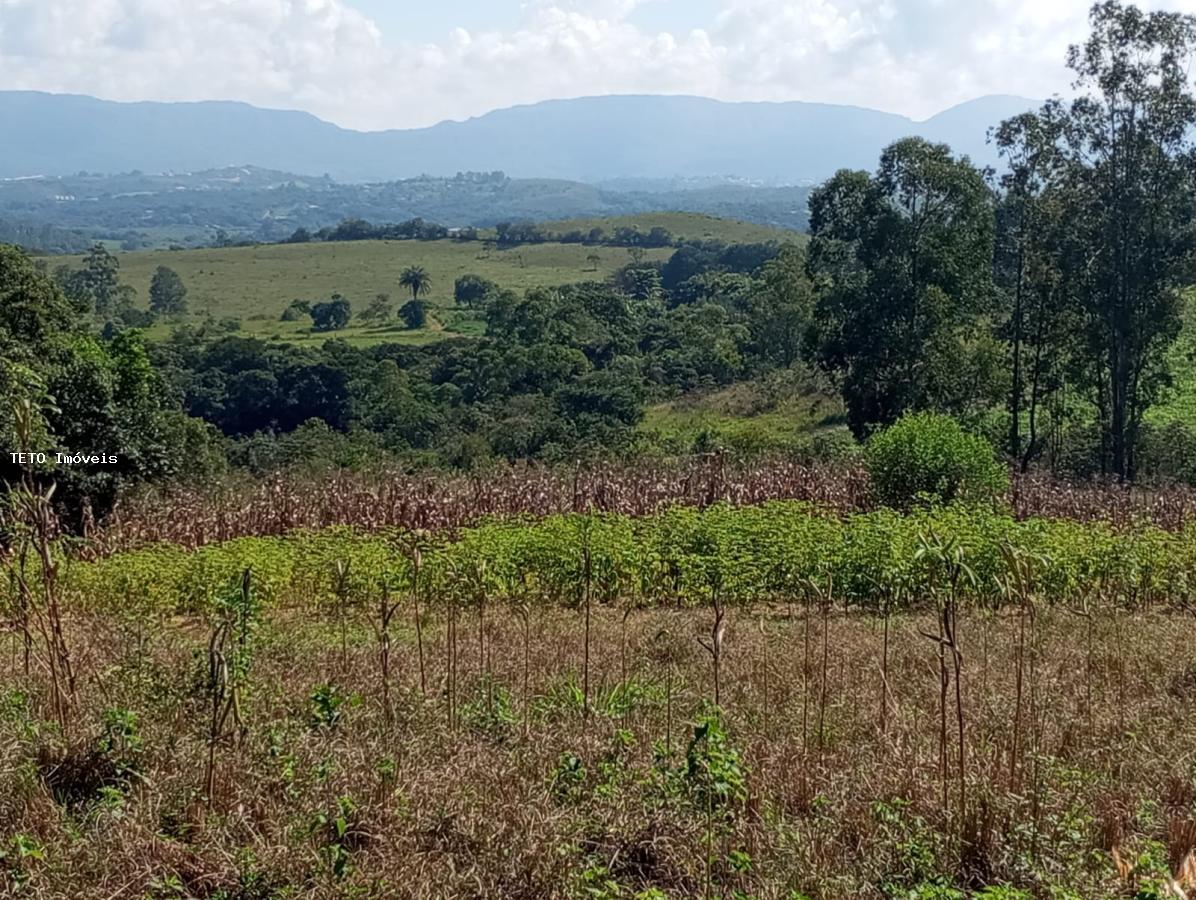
[414, 314]
[929, 457]
[1168, 454]
[297, 310]
[333, 315]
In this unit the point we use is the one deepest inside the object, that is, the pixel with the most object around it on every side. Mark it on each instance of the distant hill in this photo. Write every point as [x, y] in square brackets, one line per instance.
[63, 214]
[588, 139]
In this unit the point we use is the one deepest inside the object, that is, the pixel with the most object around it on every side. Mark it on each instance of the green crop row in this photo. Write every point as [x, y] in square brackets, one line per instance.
[775, 552]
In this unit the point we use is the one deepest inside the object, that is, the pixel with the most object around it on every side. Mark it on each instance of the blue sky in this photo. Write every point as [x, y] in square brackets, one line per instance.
[373, 64]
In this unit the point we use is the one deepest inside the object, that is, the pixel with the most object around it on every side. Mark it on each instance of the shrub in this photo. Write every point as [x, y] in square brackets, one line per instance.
[1168, 453]
[929, 457]
[414, 314]
[333, 315]
[296, 311]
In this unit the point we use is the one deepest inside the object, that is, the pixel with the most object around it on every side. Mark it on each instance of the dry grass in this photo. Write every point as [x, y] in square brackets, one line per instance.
[834, 808]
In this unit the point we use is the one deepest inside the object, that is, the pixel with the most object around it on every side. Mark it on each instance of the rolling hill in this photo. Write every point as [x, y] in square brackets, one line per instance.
[255, 284]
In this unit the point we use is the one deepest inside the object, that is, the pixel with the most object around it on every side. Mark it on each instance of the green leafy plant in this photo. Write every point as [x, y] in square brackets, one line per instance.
[926, 457]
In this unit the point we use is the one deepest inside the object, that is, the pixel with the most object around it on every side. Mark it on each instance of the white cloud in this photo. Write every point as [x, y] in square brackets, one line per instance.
[909, 56]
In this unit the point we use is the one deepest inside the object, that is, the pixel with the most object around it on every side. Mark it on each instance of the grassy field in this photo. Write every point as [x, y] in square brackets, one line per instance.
[781, 413]
[255, 284]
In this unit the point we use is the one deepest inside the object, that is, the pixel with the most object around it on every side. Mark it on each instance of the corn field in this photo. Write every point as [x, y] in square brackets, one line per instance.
[436, 501]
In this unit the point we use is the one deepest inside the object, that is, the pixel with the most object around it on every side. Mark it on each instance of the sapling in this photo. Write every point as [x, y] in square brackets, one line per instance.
[1017, 584]
[33, 569]
[386, 611]
[825, 598]
[714, 647]
[944, 561]
[229, 654]
[340, 587]
[416, 558]
[587, 564]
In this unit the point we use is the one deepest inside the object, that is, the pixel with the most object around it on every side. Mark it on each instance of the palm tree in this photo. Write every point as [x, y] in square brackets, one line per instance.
[417, 280]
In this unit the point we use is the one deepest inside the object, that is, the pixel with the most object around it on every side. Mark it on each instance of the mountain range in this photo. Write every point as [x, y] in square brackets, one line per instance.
[591, 139]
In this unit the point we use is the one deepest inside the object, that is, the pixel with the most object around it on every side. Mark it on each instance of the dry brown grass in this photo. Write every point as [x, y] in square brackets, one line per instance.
[1106, 759]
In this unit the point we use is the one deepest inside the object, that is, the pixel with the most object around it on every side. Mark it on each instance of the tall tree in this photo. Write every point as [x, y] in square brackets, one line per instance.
[95, 286]
[1130, 179]
[902, 265]
[168, 294]
[472, 290]
[781, 312]
[1029, 256]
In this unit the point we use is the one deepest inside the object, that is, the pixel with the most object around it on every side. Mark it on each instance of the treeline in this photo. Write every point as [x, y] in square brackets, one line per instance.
[42, 237]
[558, 372]
[1041, 306]
[506, 234]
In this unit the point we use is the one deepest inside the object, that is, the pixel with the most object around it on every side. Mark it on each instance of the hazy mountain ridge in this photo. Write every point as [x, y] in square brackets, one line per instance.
[586, 139]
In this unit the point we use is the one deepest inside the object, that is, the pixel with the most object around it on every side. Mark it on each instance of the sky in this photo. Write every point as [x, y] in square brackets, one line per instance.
[373, 64]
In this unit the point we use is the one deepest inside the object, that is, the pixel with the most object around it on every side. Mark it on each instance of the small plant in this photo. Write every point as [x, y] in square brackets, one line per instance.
[567, 780]
[492, 714]
[326, 704]
[716, 781]
[121, 742]
[909, 853]
[338, 835]
[18, 858]
[230, 650]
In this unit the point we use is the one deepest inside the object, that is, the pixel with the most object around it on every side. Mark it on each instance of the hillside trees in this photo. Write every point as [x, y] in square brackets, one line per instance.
[1096, 229]
[95, 286]
[902, 260]
[86, 397]
[782, 308]
[1029, 266]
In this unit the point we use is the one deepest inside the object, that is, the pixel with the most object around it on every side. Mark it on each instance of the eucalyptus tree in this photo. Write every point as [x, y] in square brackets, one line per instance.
[902, 266]
[1030, 255]
[1130, 194]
